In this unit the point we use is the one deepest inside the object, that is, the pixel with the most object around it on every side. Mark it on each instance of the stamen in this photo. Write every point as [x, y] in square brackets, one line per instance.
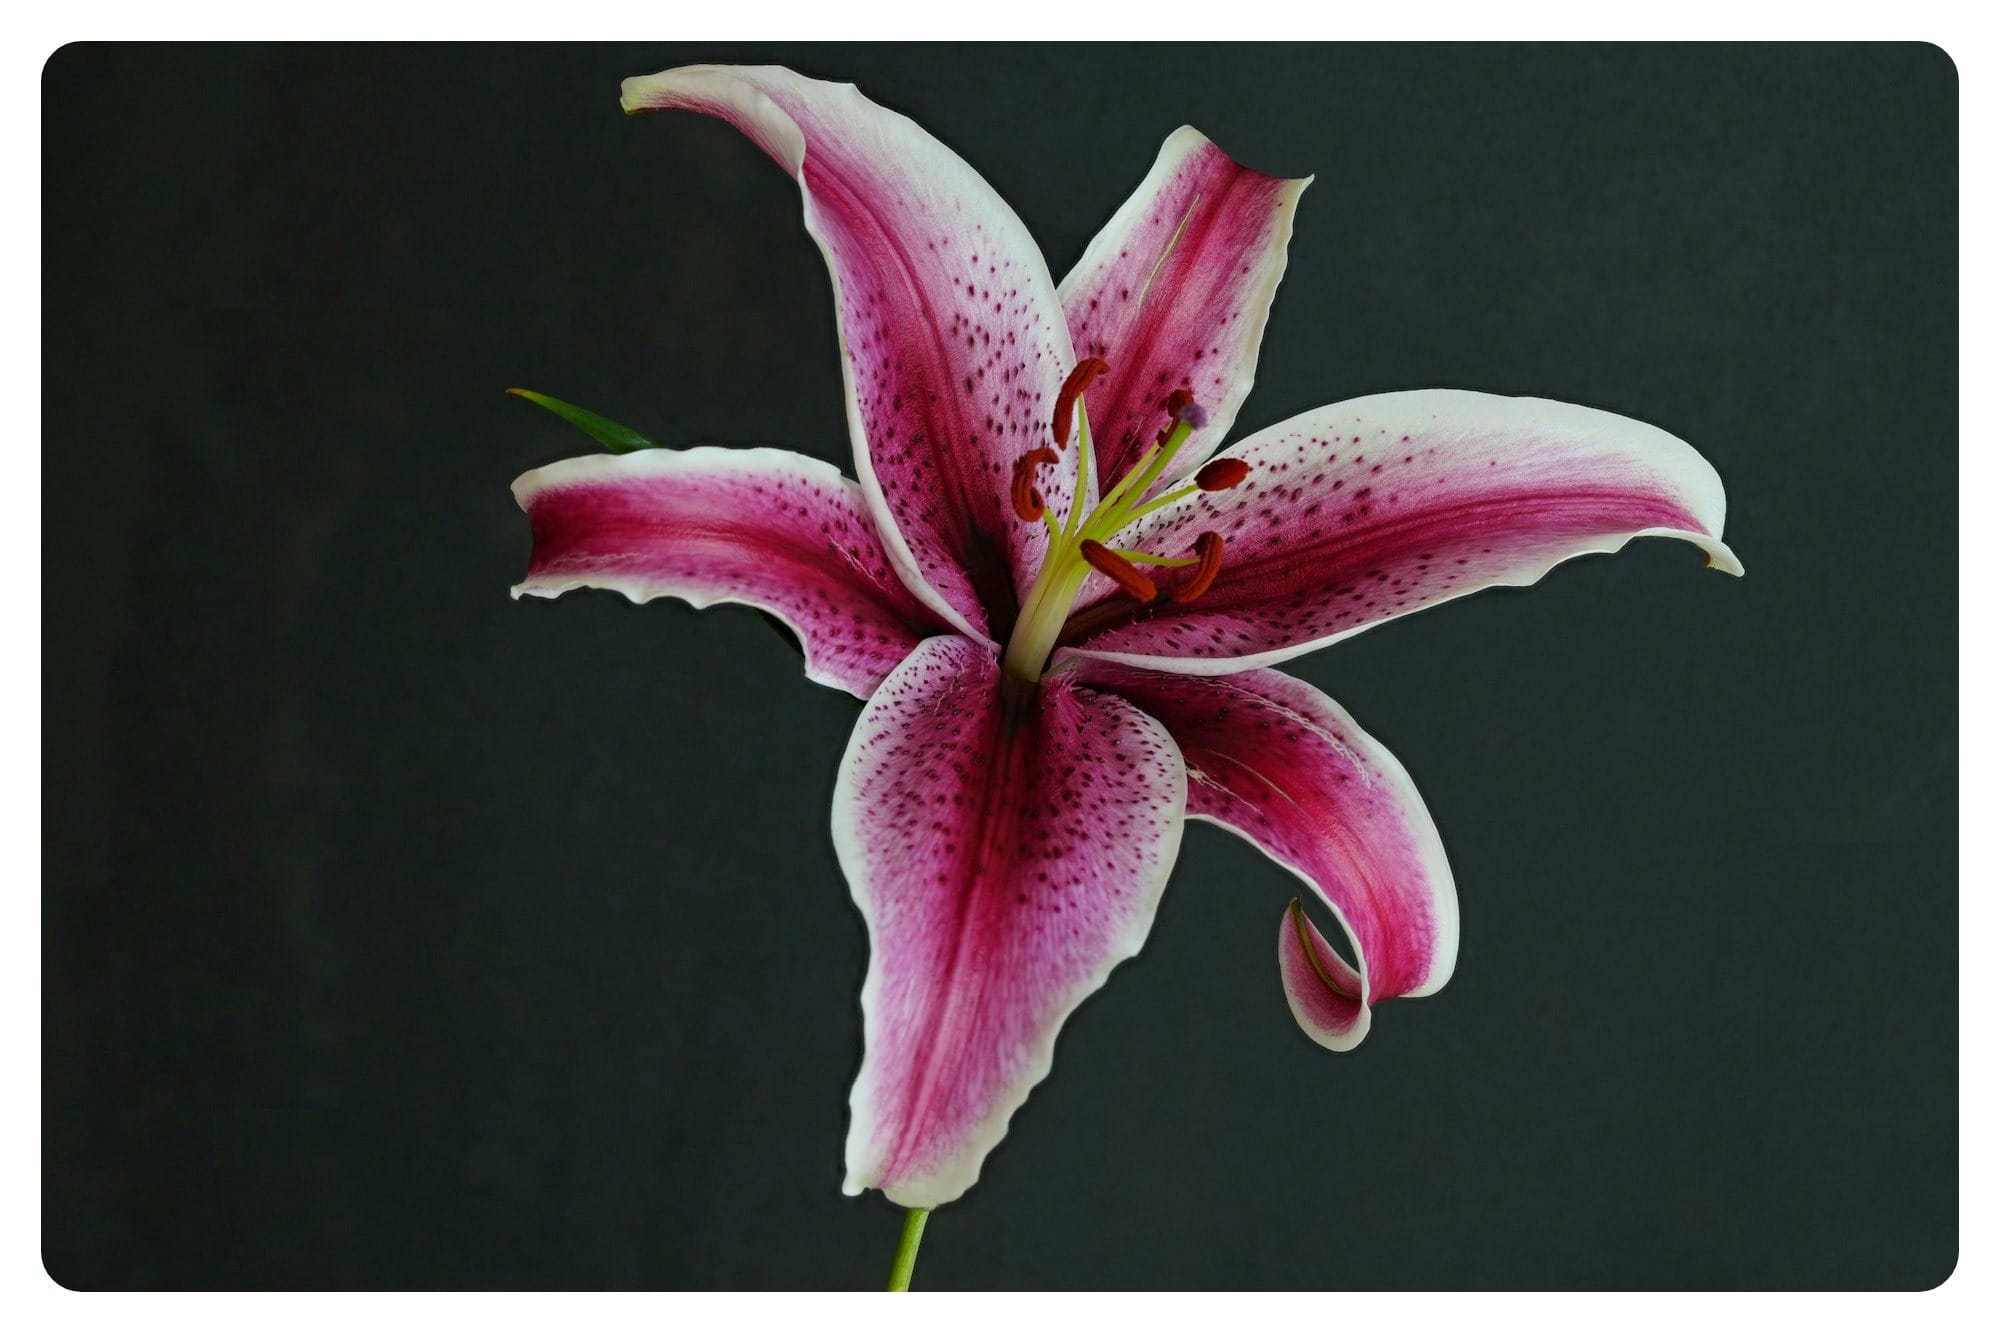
[1115, 497]
[1121, 571]
[1221, 473]
[1079, 379]
[1208, 547]
[1148, 558]
[1181, 409]
[1133, 487]
[1028, 501]
[1077, 545]
[1172, 497]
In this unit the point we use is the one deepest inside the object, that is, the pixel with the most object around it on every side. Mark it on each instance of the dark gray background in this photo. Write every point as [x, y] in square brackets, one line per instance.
[396, 934]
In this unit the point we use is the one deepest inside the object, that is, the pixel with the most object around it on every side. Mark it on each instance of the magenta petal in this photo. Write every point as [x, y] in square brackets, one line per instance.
[953, 339]
[1174, 292]
[1007, 844]
[1367, 510]
[1278, 762]
[765, 527]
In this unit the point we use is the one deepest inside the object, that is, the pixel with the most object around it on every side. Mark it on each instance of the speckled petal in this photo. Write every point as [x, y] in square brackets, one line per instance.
[1367, 510]
[1007, 844]
[1174, 292]
[953, 340]
[1273, 759]
[764, 527]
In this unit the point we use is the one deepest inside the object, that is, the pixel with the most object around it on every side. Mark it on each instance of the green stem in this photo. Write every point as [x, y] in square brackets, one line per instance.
[1148, 558]
[906, 1249]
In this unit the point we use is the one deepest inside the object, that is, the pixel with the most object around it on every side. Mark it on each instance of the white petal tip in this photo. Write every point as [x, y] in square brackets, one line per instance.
[1717, 552]
[1724, 560]
[638, 93]
[1436, 981]
[1338, 1045]
[653, 92]
[1340, 1042]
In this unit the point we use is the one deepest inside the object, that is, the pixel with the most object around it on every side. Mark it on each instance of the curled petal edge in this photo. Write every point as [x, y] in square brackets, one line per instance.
[767, 528]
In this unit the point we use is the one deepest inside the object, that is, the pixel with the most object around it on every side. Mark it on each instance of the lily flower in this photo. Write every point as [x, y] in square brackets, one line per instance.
[1061, 601]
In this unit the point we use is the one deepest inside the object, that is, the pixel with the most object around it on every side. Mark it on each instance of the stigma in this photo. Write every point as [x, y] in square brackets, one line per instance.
[1081, 543]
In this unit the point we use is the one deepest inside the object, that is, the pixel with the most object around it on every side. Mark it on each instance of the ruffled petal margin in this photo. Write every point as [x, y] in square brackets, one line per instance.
[765, 527]
[953, 341]
[1273, 759]
[1007, 844]
[1367, 510]
[1175, 292]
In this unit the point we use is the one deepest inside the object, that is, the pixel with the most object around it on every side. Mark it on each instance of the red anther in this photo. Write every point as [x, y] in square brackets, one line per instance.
[1208, 549]
[1178, 400]
[1120, 571]
[1028, 501]
[1219, 474]
[1079, 379]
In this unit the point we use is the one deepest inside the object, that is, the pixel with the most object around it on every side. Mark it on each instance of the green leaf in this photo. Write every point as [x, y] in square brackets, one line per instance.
[618, 439]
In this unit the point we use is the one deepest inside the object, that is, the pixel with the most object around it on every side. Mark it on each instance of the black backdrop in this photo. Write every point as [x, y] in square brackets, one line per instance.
[397, 934]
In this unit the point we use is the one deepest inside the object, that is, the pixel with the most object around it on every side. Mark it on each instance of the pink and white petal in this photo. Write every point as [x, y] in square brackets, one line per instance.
[765, 527]
[1175, 292]
[1367, 510]
[1276, 761]
[953, 342]
[1325, 995]
[1007, 844]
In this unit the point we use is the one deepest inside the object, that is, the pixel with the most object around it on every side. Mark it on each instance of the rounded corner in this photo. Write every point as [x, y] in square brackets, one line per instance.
[1927, 49]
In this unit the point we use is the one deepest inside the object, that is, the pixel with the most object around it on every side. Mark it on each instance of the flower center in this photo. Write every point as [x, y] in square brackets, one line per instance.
[1081, 542]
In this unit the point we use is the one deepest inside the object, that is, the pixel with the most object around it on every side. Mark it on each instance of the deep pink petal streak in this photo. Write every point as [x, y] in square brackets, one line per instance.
[1174, 292]
[764, 527]
[953, 337]
[1007, 844]
[1325, 994]
[1278, 762]
[1366, 510]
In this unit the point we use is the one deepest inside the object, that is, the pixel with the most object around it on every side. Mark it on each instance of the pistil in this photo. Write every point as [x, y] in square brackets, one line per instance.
[1082, 542]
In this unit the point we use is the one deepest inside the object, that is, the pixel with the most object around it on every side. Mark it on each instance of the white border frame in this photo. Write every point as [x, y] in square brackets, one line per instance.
[33, 1300]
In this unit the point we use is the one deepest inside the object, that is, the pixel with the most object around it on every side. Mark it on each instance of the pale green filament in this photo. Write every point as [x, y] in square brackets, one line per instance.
[1064, 568]
[1116, 494]
[1129, 495]
[1171, 497]
[1083, 453]
[1148, 558]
